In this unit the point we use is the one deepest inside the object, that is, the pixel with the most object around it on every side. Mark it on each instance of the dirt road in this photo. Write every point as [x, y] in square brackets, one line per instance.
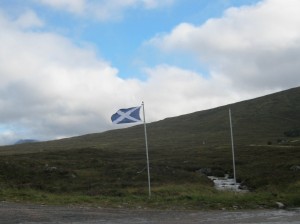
[25, 213]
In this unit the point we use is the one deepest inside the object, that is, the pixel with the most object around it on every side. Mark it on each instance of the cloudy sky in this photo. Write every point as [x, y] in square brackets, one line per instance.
[67, 65]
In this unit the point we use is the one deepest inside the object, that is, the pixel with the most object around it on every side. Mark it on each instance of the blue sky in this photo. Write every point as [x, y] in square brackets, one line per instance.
[67, 65]
[120, 40]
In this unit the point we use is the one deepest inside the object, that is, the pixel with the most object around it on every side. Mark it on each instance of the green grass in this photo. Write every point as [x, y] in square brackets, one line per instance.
[167, 197]
[101, 178]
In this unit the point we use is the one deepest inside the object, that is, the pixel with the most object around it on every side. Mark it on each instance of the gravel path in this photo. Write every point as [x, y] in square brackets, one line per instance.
[26, 213]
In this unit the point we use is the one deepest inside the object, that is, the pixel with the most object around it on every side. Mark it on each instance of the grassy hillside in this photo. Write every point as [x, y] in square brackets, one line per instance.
[112, 164]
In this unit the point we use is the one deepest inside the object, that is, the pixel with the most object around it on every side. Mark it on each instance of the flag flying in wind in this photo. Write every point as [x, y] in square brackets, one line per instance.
[128, 115]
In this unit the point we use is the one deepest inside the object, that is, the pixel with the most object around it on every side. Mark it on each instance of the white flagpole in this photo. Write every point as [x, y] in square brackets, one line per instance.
[232, 147]
[146, 142]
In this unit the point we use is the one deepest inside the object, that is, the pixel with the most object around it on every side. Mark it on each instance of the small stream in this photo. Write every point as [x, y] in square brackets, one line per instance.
[226, 184]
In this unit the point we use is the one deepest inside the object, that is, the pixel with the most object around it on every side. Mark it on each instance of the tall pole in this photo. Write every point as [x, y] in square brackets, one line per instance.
[232, 147]
[146, 142]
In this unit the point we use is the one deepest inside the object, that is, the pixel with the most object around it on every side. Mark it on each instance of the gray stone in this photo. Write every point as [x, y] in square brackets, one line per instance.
[280, 205]
[295, 168]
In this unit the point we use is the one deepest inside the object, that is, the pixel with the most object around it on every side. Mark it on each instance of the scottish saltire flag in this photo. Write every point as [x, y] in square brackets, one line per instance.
[128, 115]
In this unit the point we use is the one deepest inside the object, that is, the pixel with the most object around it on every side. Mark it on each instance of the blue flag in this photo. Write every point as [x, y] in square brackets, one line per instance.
[128, 115]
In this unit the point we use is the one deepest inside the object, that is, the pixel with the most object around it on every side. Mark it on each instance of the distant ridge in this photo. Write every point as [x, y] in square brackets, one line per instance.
[22, 141]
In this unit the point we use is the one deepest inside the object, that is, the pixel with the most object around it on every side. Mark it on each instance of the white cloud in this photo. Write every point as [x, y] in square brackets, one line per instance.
[173, 91]
[29, 20]
[256, 47]
[73, 6]
[51, 88]
[7, 136]
[103, 9]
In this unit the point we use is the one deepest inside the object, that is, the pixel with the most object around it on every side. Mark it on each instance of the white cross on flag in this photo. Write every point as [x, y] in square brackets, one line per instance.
[128, 115]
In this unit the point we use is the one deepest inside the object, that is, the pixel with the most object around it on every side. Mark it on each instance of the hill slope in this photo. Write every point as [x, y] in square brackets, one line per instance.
[258, 121]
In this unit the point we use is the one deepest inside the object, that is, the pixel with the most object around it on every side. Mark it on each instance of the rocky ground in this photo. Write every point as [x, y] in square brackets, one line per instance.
[28, 213]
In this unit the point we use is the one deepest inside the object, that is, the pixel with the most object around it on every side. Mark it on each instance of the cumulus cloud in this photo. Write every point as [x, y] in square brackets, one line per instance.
[52, 88]
[103, 9]
[256, 47]
[173, 91]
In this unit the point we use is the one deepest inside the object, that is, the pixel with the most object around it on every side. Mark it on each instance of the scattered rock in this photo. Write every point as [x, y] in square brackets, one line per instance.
[280, 205]
[50, 168]
[73, 175]
[295, 168]
[205, 171]
[58, 171]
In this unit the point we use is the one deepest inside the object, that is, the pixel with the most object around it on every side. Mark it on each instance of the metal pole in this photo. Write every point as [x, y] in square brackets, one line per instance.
[146, 142]
[232, 147]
